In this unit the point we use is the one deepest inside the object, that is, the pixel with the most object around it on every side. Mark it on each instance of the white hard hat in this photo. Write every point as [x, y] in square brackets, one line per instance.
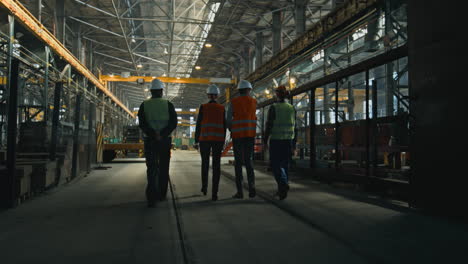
[244, 84]
[212, 89]
[156, 84]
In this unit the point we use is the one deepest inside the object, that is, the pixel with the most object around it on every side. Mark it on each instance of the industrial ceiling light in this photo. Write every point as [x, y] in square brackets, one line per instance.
[139, 66]
[208, 45]
[197, 67]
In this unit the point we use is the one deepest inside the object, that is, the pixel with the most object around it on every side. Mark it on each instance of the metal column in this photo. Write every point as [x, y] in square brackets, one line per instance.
[39, 10]
[91, 115]
[55, 120]
[76, 135]
[46, 84]
[258, 49]
[312, 154]
[374, 125]
[326, 105]
[337, 126]
[10, 190]
[60, 20]
[300, 16]
[277, 34]
[390, 82]
[12, 182]
[368, 125]
[350, 101]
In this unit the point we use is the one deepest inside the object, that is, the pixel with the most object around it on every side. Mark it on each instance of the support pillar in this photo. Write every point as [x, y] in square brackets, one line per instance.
[437, 99]
[11, 185]
[60, 20]
[258, 49]
[337, 127]
[91, 137]
[368, 125]
[76, 135]
[46, 84]
[350, 101]
[55, 120]
[374, 125]
[277, 32]
[300, 16]
[312, 154]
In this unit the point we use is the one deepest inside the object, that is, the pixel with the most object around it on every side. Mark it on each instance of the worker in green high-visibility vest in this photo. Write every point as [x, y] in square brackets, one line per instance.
[281, 130]
[157, 118]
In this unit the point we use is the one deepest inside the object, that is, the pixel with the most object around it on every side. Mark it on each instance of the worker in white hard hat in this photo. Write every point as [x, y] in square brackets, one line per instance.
[241, 120]
[210, 132]
[157, 118]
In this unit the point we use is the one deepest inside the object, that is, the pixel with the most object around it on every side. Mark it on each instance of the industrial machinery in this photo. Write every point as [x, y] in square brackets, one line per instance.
[131, 147]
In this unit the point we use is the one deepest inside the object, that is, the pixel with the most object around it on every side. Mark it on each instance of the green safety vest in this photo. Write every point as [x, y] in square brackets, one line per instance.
[285, 120]
[157, 113]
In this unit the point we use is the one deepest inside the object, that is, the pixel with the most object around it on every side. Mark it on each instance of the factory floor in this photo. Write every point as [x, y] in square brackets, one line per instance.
[103, 218]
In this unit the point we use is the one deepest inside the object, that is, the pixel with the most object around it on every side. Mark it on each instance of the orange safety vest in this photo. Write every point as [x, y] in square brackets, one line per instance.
[212, 124]
[244, 119]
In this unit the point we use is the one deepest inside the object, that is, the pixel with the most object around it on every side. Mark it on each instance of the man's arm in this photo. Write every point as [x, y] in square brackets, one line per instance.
[229, 117]
[295, 130]
[269, 123]
[149, 132]
[198, 127]
[172, 124]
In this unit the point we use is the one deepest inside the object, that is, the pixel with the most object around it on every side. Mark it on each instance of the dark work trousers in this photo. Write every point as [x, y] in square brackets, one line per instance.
[215, 148]
[158, 155]
[243, 154]
[280, 153]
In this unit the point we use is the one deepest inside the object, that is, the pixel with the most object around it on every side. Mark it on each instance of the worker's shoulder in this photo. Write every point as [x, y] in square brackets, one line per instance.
[244, 97]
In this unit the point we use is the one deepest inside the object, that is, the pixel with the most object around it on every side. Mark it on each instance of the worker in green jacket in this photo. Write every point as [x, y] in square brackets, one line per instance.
[157, 118]
[281, 130]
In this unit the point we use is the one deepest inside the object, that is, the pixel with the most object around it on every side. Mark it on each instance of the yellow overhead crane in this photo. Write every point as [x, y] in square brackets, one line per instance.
[149, 79]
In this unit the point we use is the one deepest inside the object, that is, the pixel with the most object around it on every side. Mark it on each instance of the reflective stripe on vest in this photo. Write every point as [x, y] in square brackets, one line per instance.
[157, 113]
[283, 125]
[244, 119]
[212, 124]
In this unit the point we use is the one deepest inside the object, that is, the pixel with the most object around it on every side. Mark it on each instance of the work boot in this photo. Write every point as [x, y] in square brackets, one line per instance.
[151, 204]
[214, 197]
[283, 192]
[252, 192]
[203, 190]
[238, 195]
[283, 195]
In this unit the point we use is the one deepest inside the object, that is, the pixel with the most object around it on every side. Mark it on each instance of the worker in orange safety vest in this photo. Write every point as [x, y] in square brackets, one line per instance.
[211, 132]
[242, 121]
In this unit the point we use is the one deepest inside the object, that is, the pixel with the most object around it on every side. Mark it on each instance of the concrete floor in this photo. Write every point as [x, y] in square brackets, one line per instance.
[102, 218]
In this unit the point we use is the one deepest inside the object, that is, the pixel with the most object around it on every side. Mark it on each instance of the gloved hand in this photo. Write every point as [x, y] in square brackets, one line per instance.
[195, 146]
